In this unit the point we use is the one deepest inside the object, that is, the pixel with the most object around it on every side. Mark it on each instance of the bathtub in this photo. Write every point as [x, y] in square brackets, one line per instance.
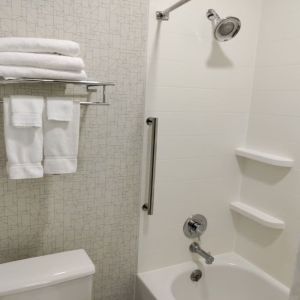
[230, 278]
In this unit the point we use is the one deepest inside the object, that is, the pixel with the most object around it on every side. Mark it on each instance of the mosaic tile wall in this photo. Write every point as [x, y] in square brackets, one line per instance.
[98, 207]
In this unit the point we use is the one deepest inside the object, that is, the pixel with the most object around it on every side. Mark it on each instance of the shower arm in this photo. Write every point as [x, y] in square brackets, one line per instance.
[164, 15]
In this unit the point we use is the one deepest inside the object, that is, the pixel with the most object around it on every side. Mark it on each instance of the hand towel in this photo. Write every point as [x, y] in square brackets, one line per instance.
[24, 148]
[61, 144]
[39, 45]
[295, 290]
[26, 111]
[42, 61]
[26, 72]
[59, 109]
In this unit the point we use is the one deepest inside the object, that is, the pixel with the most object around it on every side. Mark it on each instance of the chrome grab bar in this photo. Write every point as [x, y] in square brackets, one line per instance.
[153, 122]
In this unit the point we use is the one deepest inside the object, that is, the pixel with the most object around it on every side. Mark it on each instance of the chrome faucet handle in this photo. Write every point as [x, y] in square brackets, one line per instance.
[195, 226]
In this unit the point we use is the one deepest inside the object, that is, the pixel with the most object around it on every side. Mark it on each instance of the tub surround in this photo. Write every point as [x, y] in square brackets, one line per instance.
[274, 125]
[210, 99]
[200, 90]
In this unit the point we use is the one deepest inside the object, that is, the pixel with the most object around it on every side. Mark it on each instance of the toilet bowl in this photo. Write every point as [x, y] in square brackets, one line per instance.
[61, 276]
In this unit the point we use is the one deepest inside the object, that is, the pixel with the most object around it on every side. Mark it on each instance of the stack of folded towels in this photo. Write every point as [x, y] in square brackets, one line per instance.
[40, 58]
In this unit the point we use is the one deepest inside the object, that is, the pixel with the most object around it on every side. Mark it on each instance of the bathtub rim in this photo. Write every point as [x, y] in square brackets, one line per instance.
[149, 279]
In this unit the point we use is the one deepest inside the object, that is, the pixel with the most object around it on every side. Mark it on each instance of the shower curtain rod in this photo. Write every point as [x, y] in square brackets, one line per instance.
[164, 15]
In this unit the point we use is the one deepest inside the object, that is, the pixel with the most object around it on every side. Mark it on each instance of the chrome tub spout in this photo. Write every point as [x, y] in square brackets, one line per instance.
[195, 248]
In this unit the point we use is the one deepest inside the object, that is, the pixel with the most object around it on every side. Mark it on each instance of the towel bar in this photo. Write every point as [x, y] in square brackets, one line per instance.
[90, 86]
[81, 102]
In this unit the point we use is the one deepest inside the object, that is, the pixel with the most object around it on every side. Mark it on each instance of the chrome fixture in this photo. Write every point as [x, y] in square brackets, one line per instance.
[224, 29]
[164, 15]
[196, 275]
[153, 122]
[195, 248]
[195, 226]
[91, 86]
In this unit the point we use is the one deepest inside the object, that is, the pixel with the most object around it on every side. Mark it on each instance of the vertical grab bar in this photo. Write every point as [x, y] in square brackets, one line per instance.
[153, 122]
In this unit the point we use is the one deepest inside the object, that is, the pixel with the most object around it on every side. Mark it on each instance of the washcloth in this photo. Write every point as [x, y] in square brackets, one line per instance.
[61, 144]
[43, 61]
[59, 109]
[24, 148]
[26, 111]
[295, 290]
[39, 45]
[26, 72]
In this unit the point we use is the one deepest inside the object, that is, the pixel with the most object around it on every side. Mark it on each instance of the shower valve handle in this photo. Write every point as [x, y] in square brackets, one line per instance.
[195, 226]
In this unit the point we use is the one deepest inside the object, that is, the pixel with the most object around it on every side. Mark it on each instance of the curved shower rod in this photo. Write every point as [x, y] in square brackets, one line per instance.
[164, 15]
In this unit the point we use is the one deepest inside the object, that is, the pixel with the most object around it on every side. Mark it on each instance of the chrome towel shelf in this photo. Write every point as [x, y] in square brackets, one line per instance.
[91, 86]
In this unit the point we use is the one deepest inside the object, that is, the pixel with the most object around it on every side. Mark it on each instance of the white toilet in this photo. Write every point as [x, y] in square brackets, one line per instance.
[61, 276]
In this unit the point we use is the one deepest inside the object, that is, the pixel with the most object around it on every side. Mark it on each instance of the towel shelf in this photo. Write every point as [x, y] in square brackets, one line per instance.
[91, 86]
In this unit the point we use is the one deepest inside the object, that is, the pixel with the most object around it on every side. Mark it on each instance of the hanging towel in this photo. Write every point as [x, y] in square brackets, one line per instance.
[61, 144]
[27, 72]
[24, 147]
[43, 61]
[39, 45]
[295, 290]
[26, 111]
[59, 109]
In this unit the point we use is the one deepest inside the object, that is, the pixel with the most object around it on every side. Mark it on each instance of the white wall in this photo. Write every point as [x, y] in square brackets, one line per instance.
[201, 92]
[274, 126]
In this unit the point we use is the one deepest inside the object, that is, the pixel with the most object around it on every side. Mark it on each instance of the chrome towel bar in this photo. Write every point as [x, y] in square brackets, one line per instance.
[91, 86]
[153, 122]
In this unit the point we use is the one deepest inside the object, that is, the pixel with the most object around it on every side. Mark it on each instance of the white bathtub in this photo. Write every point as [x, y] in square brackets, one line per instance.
[229, 278]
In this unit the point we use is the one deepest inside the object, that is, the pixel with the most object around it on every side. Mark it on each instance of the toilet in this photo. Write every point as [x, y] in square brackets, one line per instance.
[61, 276]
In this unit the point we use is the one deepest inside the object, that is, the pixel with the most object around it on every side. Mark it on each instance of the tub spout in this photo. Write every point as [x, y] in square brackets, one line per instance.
[195, 248]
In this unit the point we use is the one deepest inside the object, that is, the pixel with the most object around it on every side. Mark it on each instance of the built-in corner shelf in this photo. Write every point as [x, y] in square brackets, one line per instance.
[257, 215]
[264, 157]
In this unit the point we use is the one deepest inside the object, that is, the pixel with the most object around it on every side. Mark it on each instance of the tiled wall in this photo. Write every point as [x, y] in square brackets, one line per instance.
[201, 92]
[96, 208]
[274, 127]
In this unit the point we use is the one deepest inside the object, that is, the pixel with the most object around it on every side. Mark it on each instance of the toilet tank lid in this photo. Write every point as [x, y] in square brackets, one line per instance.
[32, 273]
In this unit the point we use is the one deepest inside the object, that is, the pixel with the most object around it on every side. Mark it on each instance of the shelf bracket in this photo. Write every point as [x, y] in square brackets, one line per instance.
[92, 88]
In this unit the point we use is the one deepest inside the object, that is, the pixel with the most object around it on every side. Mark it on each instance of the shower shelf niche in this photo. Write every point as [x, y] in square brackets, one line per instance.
[264, 157]
[256, 215]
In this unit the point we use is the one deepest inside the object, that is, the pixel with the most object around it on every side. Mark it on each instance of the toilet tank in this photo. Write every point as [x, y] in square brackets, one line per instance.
[61, 276]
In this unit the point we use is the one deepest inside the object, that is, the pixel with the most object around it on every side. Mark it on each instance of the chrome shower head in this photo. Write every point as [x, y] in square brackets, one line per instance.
[224, 29]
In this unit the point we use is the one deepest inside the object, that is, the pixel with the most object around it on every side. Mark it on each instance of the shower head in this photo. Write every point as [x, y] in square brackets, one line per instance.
[224, 29]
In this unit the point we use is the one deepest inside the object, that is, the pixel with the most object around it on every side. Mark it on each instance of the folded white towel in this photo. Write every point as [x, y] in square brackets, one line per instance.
[26, 111]
[295, 290]
[24, 148]
[59, 109]
[26, 72]
[43, 61]
[61, 144]
[39, 45]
